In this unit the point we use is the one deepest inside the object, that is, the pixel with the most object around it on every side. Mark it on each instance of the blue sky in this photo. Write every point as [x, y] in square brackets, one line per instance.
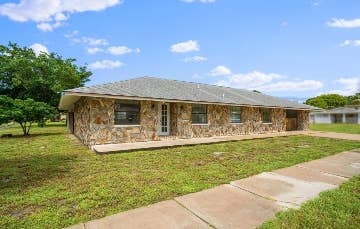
[283, 48]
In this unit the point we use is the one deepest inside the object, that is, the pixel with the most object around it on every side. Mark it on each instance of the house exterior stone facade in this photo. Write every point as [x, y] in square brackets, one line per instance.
[94, 121]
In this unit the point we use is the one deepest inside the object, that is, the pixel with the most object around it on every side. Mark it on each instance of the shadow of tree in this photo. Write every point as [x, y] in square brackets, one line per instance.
[31, 135]
[22, 172]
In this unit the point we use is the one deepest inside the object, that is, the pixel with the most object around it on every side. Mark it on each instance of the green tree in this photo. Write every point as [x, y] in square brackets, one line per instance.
[327, 101]
[25, 112]
[354, 99]
[23, 74]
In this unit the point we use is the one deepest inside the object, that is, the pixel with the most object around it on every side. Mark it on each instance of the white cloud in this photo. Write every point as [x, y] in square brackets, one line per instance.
[47, 27]
[343, 23]
[121, 50]
[220, 71]
[350, 86]
[105, 64]
[350, 43]
[94, 41]
[202, 1]
[94, 50]
[268, 82]
[186, 46]
[195, 59]
[85, 40]
[50, 14]
[93, 45]
[304, 85]
[39, 48]
[72, 34]
[250, 80]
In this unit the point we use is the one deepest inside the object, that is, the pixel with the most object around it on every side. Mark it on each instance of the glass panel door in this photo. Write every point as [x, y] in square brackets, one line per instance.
[164, 119]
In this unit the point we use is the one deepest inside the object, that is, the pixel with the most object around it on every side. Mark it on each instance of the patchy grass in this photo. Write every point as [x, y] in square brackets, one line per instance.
[339, 208]
[49, 178]
[337, 127]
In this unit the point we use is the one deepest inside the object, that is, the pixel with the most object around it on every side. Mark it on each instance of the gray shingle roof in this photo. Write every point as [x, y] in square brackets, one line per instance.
[341, 110]
[158, 88]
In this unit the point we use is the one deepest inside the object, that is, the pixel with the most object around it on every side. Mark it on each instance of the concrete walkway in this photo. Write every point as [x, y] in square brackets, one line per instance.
[108, 148]
[245, 203]
[355, 137]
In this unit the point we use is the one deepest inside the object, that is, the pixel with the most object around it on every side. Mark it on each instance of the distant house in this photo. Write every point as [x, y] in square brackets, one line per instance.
[148, 108]
[336, 115]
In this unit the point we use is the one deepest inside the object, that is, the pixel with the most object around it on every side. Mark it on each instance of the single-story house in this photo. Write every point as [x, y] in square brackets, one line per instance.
[149, 108]
[336, 115]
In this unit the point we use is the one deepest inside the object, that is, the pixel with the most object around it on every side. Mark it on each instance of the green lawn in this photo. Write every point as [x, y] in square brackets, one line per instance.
[337, 127]
[49, 178]
[339, 208]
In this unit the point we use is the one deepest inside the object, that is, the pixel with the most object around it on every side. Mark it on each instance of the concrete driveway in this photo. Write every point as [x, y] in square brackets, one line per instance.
[245, 203]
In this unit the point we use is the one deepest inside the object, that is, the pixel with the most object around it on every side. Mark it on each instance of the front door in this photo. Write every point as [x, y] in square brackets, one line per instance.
[291, 120]
[164, 119]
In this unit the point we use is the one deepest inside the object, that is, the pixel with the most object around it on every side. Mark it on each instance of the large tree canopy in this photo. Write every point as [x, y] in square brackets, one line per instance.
[327, 101]
[354, 99]
[23, 74]
[25, 112]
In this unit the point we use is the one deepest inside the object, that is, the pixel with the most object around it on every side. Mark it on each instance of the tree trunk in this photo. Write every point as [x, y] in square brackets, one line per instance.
[28, 130]
[23, 127]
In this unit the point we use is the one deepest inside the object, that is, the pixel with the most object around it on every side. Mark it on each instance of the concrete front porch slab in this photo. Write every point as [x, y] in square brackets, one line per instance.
[166, 214]
[286, 191]
[229, 207]
[108, 148]
[346, 164]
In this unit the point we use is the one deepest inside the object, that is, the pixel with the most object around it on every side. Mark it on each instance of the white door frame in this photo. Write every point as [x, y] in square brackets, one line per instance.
[167, 117]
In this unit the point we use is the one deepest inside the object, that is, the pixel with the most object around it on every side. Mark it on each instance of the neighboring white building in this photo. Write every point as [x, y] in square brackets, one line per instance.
[336, 115]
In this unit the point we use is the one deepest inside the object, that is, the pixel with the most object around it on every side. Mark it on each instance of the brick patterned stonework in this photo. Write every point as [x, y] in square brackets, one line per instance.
[94, 122]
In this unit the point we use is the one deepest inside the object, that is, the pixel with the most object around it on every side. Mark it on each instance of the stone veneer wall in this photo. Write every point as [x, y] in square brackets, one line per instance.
[303, 119]
[94, 122]
[82, 120]
[96, 125]
[219, 122]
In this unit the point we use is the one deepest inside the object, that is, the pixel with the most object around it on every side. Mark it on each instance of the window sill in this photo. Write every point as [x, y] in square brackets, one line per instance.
[200, 124]
[236, 123]
[267, 123]
[128, 125]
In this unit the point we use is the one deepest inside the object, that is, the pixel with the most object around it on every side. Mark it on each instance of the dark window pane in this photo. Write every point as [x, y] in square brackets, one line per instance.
[199, 118]
[198, 114]
[235, 115]
[198, 109]
[127, 112]
[265, 113]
